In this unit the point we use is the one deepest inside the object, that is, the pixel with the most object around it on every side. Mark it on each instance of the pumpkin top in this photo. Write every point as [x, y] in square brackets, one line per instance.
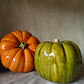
[56, 41]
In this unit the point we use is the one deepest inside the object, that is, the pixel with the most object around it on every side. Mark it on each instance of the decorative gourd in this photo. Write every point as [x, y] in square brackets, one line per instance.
[18, 50]
[58, 61]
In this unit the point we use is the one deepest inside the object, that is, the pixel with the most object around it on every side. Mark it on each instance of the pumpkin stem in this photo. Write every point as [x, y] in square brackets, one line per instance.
[56, 41]
[23, 45]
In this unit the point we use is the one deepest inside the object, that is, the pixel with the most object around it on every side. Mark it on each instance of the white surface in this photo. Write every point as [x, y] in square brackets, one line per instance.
[7, 77]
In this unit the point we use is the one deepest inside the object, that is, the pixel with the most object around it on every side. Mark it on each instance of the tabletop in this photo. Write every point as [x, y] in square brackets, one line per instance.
[8, 77]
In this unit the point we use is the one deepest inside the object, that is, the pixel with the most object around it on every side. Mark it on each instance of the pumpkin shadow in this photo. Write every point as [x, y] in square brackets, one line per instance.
[81, 73]
[81, 76]
[3, 69]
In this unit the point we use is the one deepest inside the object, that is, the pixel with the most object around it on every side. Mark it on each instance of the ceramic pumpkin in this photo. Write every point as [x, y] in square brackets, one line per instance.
[17, 51]
[58, 61]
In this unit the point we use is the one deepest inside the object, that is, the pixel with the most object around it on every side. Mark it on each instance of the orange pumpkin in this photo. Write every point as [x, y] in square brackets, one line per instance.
[17, 51]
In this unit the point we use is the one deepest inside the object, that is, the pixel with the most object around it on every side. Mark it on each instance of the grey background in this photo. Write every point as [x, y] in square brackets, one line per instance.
[46, 19]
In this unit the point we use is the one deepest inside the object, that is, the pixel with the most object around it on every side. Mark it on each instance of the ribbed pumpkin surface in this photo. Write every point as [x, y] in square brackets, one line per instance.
[58, 62]
[17, 51]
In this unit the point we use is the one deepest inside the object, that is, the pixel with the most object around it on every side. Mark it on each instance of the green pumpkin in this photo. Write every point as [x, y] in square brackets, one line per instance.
[58, 62]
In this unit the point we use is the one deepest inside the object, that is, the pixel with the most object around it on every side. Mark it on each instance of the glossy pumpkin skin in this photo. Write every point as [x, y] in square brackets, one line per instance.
[18, 50]
[59, 61]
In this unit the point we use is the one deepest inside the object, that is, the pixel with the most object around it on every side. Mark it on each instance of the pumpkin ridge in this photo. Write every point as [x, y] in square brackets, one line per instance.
[78, 54]
[40, 51]
[27, 35]
[24, 61]
[6, 45]
[60, 60]
[44, 47]
[8, 35]
[55, 62]
[32, 40]
[57, 71]
[73, 63]
[34, 45]
[42, 44]
[31, 55]
[12, 42]
[30, 65]
[16, 36]
[39, 55]
[76, 48]
[13, 58]
[19, 62]
[31, 52]
[5, 55]
[9, 41]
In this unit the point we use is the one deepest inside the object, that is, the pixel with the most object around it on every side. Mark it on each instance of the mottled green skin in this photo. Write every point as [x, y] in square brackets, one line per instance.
[58, 62]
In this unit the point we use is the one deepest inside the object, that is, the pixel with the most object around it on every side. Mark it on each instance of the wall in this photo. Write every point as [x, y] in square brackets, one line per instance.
[46, 19]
